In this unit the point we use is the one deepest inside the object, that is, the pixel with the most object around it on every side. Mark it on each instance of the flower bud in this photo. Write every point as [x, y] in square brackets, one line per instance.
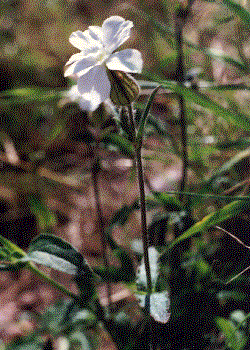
[124, 88]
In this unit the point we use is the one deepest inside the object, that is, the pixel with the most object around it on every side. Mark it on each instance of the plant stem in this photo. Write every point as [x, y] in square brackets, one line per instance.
[53, 283]
[180, 19]
[100, 220]
[142, 202]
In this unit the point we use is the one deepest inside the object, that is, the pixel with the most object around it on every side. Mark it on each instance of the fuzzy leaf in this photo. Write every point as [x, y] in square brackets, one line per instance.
[56, 253]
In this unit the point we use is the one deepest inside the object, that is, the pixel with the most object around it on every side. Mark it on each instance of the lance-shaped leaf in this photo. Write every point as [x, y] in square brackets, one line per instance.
[139, 136]
[11, 247]
[208, 221]
[227, 166]
[45, 218]
[235, 339]
[238, 10]
[56, 253]
[238, 119]
[120, 141]
[29, 95]
[218, 55]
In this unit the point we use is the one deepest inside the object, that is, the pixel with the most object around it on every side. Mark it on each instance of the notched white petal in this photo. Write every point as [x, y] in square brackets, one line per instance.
[128, 60]
[79, 67]
[84, 41]
[96, 33]
[116, 30]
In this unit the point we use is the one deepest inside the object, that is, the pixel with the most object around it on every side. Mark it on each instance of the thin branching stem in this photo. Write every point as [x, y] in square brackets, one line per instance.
[142, 202]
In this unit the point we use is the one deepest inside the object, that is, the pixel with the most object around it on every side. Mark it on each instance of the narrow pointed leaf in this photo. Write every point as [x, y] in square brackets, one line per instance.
[45, 218]
[228, 211]
[54, 252]
[237, 9]
[144, 117]
[121, 142]
[11, 247]
[29, 94]
[235, 339]
[238, 119]
[220, 56]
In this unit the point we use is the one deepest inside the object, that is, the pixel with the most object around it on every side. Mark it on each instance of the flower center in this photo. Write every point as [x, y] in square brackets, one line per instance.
[102, 56]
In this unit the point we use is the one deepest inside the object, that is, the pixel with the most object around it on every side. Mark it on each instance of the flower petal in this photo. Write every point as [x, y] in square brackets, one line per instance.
[94, 87]
[85, 41]
[74, 58]
[80, 67]
[128, 60]
[115, 32]
[96, 33]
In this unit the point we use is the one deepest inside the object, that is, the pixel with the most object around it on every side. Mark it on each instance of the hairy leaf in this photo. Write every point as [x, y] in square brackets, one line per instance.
[54, 252]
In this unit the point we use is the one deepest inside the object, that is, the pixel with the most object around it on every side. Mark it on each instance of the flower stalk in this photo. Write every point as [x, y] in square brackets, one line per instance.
[138, 148]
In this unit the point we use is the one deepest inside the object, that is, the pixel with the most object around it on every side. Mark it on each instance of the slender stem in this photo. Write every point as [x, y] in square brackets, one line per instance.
[143, 204]
[100, 220]
[180, 18]
[53, 283]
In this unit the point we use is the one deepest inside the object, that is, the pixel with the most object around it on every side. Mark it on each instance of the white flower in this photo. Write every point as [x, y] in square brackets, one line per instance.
[91, 64]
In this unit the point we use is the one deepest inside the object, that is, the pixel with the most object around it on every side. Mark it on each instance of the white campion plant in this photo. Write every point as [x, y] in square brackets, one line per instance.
[97, 57]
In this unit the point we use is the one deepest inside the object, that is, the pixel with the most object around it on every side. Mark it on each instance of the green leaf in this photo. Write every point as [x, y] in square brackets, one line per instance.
[85, 317]
[220, 56]
[236, 340]
[227, 166]
[10, 247]
[239, 11]
[170, 202]
[143, 120]
[226, 87]
[228, 211]
[196, 97]
[45, 218]
[124, 145]
[79, 338]
[56, 253]
[122, 215]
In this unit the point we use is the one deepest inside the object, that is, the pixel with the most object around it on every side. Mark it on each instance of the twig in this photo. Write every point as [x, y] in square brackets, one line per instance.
[240, 242]
[233, 236]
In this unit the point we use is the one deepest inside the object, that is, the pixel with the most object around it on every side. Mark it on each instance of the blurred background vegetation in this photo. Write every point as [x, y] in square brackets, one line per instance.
[46, 153]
